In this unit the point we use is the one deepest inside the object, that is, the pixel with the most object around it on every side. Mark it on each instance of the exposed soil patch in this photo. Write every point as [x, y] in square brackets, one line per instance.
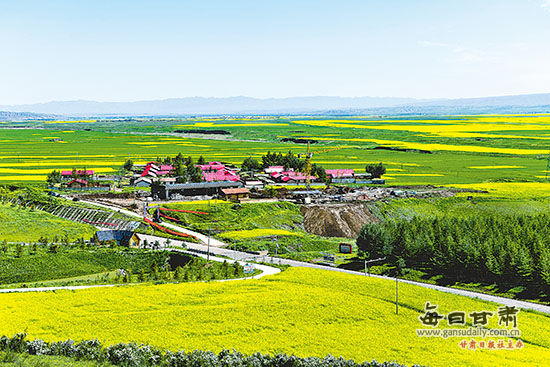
[336, 220]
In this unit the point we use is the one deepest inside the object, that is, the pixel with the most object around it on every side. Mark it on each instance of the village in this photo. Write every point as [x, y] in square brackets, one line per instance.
[160, 181]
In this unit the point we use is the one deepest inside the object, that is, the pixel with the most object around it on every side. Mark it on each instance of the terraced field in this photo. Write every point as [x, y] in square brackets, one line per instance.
[299, 311]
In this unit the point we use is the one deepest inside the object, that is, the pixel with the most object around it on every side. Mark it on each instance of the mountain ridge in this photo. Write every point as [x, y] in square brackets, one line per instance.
[314, 104]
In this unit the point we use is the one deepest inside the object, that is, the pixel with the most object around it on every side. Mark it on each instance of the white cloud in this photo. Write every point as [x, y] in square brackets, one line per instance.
[545, 4]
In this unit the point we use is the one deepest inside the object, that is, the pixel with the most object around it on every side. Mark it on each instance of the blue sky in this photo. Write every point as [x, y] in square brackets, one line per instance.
[136, 50]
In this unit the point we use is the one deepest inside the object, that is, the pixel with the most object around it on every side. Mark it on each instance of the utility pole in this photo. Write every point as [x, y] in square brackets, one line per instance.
[208, 254]
[396, 295]
[308, 172]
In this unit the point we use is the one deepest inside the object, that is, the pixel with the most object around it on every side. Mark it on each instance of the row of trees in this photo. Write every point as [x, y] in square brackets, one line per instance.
[196, 270]
[510, 250]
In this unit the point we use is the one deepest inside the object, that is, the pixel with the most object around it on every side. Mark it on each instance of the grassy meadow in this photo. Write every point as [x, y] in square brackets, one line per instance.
[18, 224]
[255, 226]
[463, 149]
[300, 311]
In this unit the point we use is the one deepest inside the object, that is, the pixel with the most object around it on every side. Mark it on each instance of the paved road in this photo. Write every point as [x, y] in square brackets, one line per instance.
[266, 270]
[217, 248]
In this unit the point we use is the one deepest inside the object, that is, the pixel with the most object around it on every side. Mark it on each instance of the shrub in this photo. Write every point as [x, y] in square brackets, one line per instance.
[134, 355]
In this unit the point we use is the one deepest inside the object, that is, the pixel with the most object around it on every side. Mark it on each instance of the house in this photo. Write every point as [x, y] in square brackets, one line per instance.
[236, 194]
[254, 185]
[122, 238]
[363, 178]
[168, 180]
[292, 177]
[274, 169]
[221, 175]
[150, 171]
[143, 182]
[166, 191]
[211, 166]
[69, 175]
[341, 175]
[77, 183]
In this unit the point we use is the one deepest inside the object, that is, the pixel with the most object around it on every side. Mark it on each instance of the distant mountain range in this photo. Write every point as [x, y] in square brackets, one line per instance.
[19, 116]
[248, 105]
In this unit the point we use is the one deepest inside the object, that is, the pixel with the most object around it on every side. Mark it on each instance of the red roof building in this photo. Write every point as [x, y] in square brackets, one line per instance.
[340, 173]
[78, 183]
[79, 172]
[211, 166]
[221, 175]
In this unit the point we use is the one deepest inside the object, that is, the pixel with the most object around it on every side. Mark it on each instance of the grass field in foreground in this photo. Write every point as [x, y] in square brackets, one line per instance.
[25, 360]
[302, 311]
[19, 224]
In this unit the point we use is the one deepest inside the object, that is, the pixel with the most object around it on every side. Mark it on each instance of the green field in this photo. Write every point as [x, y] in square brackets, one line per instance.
[66, 262]
[39, 266]
[299, 311]
[464, 149]
[19, 224]
[24, 360]
[255, 226]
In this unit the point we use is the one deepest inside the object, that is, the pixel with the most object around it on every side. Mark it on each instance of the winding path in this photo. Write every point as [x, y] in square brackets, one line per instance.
[266, 270]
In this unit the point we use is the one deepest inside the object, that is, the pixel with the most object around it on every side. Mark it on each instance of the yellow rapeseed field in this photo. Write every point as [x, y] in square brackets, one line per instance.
[302, 311]
[470, 128]
[511, 189]
[495, 167]
[448, 147]
[258, 232]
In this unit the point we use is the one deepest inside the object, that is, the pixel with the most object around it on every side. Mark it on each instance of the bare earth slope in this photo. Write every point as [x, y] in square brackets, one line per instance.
[336, 220]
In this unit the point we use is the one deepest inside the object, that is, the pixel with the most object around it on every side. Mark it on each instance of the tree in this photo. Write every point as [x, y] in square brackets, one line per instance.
[376, 170]
[141, 275]
[18, 250]
[251, 164]
[195, 173]
[320, 173]
[372, 240]
[53, 177]
[53, 248]
[201, 160]
[178, 273]
[128, 165]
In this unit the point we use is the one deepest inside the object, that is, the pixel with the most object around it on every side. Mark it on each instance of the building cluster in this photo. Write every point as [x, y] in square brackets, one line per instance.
[234, 184]
[151, 172]
[83, 180]
[217, 179]
[217, 171]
